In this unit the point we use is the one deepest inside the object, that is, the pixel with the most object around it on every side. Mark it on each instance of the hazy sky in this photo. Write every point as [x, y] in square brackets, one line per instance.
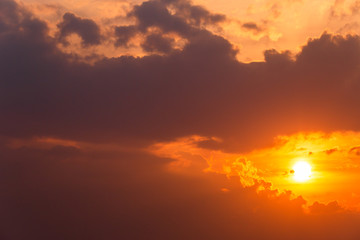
[172, 119]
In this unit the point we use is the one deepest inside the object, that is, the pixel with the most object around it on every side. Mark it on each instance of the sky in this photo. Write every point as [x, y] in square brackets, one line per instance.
[177, 119]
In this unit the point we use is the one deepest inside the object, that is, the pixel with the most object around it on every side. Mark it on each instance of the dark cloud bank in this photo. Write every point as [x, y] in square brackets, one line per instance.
[65, 192]
[87, 29]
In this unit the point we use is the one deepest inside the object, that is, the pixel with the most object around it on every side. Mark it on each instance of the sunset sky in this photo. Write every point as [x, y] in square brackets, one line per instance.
[181, 120]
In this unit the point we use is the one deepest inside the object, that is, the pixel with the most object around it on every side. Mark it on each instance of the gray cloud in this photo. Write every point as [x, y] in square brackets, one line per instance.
[251, 26]
[124, 34]
[87, 29]
[157, 43]
[187, 21]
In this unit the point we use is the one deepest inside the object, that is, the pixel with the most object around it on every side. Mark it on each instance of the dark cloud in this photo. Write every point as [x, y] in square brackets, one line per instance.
[111, 194]
[157, 43]
[93, 100]
[14, 19]
[10, 15]
[251, 26]
[87, 29]
[187, 21]
[196, 14]
[156, 14]
[201, 90]
[124, 34]
[275, 58]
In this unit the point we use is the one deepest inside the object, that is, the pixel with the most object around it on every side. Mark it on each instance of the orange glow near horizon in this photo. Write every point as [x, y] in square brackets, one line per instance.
[318, 166]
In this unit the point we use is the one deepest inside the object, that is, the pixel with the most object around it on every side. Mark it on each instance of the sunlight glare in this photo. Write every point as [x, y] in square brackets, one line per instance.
[302, 171]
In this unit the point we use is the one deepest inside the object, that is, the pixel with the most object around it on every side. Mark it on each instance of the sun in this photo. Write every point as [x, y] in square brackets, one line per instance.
[302, 171]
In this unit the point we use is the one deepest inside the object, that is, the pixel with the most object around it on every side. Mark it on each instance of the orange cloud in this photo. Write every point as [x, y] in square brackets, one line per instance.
[332, 159]
[187, 153]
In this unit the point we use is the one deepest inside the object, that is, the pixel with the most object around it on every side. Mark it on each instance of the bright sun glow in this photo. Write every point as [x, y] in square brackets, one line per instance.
[302, 171]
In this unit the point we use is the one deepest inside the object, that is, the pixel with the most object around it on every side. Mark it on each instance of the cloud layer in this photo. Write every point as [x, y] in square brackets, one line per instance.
[64, 192]
[55, 190]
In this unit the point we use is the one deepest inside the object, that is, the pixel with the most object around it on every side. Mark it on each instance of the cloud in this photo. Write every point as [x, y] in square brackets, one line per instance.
[157, 43]
[10, 14]
[341, 10]
[187, 153]
[92, 177]
[186, 20]
[251, 26]
[355, 8]
[355, 150]
[124, 34]
[276, 10]
[197, 14]
[330, 151]
[155, 14]
[272, 167]
[330, 208]
[87, 29]
[201, 89]
[114, 194]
